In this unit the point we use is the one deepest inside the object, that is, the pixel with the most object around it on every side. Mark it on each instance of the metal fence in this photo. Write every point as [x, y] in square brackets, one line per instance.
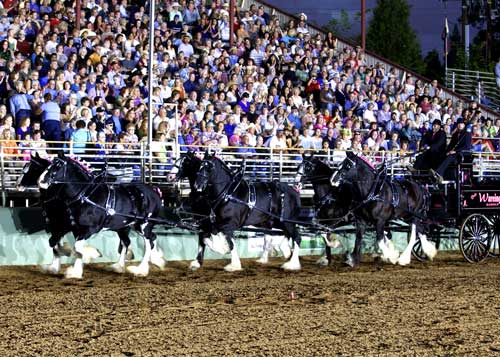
[144, 165]
[477, 85]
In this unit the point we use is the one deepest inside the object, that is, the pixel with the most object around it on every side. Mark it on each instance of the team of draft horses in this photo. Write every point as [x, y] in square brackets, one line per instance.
[78, 200]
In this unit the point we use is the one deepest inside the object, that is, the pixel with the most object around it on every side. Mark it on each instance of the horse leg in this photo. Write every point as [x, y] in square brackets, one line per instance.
[217, 243]
[389, 254]
[405, 257]
[235, 264]
[198, 262]
[55, 266]
[285, 247]
[294, 262]
[330, 243]
[268, 245]
[119, 266]
[76, 271]
[143, 268]
[146, 231]
[353, 259]
[427, 247]
[157, 256]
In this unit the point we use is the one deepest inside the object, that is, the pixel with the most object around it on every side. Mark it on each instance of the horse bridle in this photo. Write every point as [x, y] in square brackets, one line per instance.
[179, 165]
[338, 177]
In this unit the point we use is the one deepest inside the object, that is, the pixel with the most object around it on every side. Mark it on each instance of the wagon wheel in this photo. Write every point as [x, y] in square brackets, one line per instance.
[434, 236]
[475, 237]
[495, 235]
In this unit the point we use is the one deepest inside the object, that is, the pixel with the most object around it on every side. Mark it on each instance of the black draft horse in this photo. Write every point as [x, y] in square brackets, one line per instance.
[58, 221]
[331, 204]
[235, 203]
[188, 166]
[377, 200]
[94, 206]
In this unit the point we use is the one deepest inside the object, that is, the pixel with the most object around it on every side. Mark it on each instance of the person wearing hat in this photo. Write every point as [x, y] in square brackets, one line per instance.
[193, 139]
[458, 150]
[433, 147]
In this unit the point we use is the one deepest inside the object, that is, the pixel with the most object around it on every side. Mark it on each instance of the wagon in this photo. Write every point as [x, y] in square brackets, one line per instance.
[469, 203]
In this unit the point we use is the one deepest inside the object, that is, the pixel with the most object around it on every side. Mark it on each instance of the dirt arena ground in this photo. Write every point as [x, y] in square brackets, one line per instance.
[447, 307]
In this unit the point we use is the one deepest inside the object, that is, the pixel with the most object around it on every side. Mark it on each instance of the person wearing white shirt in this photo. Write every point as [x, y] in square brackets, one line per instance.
[278, 141]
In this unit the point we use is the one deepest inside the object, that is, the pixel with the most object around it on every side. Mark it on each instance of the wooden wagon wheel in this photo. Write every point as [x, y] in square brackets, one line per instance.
[475, 238]
[434, 236]
[495, 235]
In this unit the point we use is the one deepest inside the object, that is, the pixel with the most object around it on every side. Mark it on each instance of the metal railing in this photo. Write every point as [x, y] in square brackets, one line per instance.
[142, 165]
[479, 86]
[371, 59]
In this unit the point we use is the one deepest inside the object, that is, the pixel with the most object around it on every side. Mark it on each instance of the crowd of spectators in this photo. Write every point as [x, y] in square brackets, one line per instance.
[278, 86]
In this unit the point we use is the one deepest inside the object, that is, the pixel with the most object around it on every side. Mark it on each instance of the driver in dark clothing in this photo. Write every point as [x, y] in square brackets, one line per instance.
[460, 145]
[434, 146]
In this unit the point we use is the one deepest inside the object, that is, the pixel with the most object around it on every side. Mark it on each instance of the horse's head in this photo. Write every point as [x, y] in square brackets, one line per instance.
[346, 171]
[313, 169]
[186, 166]
[32, 171]
[206, 174]
[63, 169]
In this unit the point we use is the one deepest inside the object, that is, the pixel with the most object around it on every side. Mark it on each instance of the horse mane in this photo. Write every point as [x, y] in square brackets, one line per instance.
[83, 165]
[366, 161]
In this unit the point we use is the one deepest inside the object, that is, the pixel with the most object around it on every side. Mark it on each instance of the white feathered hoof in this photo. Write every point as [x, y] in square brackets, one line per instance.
[286, 251]
[90, 253]
[157, 258]
[404, 260]
[349, 260]
[393, 257]
[194, 265]
[232, 267]
[116, 268]
[429, 249]
[142, 271]
[291, 265]
[72, 273]
[262, 260]
[323, 261]
[50, 269]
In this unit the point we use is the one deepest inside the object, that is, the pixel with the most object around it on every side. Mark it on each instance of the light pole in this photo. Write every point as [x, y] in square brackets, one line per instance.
[363, 24]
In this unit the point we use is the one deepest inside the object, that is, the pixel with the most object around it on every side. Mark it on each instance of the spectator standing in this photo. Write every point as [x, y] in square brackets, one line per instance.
[51, 119]
[20, 106]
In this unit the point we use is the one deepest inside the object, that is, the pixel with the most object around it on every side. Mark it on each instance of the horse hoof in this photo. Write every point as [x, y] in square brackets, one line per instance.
[116, 268]
[231, 268]
[72, 273]
[404, 261]
[194, 265]
[287, 253]
[157, 258]
[90, 253]
[138, 271]
[262, 261]
[291, 266]
[323, 261]
[350, 261]
[50, 269]
[160, 263]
